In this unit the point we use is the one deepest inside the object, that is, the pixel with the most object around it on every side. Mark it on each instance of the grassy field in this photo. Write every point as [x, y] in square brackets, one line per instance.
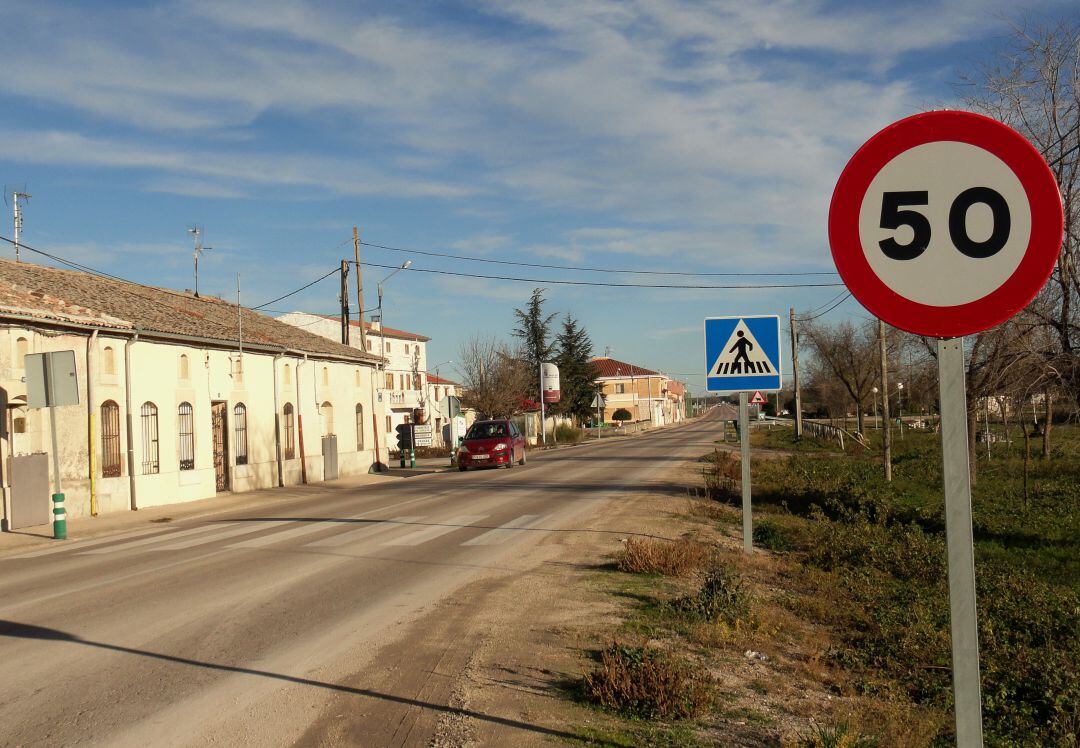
[877, 553]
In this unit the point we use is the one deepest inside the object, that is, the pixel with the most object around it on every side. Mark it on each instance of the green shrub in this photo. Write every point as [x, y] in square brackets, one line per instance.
[769, 535]
[723, 596]
[567, 434]
[836, 735]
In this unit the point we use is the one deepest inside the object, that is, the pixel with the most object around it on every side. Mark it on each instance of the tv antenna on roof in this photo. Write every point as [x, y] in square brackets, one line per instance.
[16, 196]
[196, 231]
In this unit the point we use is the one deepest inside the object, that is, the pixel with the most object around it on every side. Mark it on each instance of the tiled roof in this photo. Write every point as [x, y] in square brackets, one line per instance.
[71, 296]
[390, 332]
[676, 388]
[609, 367]
[432, 379]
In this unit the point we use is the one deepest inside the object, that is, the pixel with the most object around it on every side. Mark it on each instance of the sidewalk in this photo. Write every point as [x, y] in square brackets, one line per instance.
[84, 528]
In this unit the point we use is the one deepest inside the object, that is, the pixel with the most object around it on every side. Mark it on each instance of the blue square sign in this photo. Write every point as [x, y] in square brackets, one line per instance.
[742, 354]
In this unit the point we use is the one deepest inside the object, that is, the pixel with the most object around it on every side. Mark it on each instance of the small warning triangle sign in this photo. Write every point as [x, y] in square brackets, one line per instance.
[758, 399]
[742, 354]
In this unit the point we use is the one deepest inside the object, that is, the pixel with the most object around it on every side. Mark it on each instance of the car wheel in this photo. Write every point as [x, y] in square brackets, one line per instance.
[522, 460]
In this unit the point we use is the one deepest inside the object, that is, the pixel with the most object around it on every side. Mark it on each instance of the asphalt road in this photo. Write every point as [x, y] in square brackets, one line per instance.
[247, 628]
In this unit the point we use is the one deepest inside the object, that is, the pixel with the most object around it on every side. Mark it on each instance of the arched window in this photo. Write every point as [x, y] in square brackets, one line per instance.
[287, 415]
[326, 376]
[287, 374]
[240, 443]
[110, 439]
[359, 427]
[108, 360]
[185, 430]
[22, 347]
[327, 413]
[151, 462]
[185, 372]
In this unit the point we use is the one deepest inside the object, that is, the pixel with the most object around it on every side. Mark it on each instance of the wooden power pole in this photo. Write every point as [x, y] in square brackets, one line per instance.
[795, 372]
[886, 428]
[345, 302]
[359, 287]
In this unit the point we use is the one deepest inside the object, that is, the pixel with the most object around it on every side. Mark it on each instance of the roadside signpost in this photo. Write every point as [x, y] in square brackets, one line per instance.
[422, 433]
[450, 409]
[945, 224]
[598, 403]
[758, 399]
[743, 354]
[549, 393]
[52, 382]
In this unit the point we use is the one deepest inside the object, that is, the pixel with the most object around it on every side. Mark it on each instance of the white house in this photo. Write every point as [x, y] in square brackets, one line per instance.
[177, 399]
[401, 385]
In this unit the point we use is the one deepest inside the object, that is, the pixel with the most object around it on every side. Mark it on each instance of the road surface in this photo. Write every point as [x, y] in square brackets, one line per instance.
[295, 626]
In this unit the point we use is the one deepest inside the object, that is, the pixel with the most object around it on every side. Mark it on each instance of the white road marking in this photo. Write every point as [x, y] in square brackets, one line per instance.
[371, 527]
[78, 545]
[156, 539]
[509, 530]
[306, 528]
[437, 530]
[227, 532]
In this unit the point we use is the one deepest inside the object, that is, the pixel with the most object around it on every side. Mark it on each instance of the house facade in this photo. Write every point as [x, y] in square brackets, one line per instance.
[646, 394]
[401, 382]
[180, 398]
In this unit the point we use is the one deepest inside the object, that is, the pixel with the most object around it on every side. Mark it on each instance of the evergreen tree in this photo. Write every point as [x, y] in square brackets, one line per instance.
[577, 374]
[534, 331]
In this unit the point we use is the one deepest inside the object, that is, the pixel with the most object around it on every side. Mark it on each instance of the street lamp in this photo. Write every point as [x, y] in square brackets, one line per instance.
[877, 418]
[900, 406]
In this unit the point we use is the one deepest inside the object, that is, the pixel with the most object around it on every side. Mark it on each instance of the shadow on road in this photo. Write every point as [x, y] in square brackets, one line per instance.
[18, 630]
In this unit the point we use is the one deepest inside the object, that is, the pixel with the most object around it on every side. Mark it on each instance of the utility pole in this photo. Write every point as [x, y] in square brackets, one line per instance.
[345, 302]
[795, 372]
[359, 287]
[886, 433]
[196, 232]
[15, 197]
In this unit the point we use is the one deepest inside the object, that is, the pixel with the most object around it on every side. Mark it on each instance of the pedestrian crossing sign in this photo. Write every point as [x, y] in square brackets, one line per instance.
[742, 354]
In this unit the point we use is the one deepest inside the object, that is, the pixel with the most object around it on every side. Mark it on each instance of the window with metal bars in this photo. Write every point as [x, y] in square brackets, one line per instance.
[359, 427]
[185, 429]
[110, 439]
[290, 433]
[151, 462]
[240, 443]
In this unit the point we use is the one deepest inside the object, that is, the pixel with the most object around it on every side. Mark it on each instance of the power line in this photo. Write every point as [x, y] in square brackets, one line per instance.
[822, 314]
[298, 290]
[467, 258]
[599, 283]
[810, 315]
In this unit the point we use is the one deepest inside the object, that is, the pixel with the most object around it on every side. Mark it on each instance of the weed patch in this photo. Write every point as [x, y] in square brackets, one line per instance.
[673, 558]
[646, 682]
[723, 597]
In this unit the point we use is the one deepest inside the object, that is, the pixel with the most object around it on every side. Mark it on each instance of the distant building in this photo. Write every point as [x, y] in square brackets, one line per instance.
[648, 395]
[401, 383]
[176, 403]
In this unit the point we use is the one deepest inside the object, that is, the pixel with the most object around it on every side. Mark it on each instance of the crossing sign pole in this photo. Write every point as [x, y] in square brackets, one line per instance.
[946, 224]
[742, 355]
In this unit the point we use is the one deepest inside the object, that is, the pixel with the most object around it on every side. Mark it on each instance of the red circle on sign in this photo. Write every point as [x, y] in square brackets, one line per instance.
[1044, 243]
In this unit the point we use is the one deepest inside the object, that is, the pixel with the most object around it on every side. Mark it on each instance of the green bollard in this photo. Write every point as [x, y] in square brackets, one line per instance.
[412, 458]
[403, 458]
[59, 517]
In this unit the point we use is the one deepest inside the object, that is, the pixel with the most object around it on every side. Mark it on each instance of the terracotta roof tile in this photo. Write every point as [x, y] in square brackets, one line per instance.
[609, 367]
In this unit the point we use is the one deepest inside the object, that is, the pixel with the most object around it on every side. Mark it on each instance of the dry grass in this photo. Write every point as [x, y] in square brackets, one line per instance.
[646, 682]
[678, 558]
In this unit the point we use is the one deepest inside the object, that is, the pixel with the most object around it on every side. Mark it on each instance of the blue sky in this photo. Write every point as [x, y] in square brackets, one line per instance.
[645, 134]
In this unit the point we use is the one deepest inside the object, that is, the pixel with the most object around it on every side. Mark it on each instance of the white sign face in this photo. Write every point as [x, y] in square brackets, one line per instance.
[913, 200]
[51, 379]
[549, 383]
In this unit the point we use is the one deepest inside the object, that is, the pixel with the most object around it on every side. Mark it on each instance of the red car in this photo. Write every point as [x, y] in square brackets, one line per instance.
[491, 444]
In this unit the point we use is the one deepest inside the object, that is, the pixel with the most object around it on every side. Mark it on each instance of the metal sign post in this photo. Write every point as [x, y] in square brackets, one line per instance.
[744, 437]
[959, 541]
[52, 382]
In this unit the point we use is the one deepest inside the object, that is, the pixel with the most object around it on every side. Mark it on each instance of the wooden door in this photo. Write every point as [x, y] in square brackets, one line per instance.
[221, 444]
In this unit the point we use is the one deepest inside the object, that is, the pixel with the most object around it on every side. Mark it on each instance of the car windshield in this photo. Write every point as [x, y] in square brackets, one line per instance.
[487, 431]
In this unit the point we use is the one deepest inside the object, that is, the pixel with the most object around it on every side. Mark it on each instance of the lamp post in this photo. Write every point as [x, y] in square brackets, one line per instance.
[877, 419]
[382, 318]
[900, 406]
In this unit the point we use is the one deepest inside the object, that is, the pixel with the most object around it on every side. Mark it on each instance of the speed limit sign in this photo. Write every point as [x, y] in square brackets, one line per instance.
[946, 223]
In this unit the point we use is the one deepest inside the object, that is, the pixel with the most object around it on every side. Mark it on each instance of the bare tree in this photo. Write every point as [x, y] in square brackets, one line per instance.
[848, 352]
[495, 379]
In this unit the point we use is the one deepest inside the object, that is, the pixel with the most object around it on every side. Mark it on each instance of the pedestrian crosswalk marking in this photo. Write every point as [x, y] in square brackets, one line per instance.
[78, 545]
[435, 531]
[741, 354]
[155, 539]
[227, 532]
[504, 533]
[371, 527]
[306, 528]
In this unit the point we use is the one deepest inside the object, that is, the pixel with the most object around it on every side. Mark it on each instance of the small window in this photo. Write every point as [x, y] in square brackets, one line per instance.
[238, 373]
[151, 462]
[389, 425]
[326, 411]
[287, 415]
[401, 382]
[326, 376]
[406, 349]
[185, 372]
[110, 439]
[22, 347]
[369, 345]
[18, 424]
[357, 376]
[359, 427]
[416, 381]
[287, 375]
[436, 391]
[108, 360]
[620, 389]
[240, 443]
[185, 431]
[389, 381]
[386, 346]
